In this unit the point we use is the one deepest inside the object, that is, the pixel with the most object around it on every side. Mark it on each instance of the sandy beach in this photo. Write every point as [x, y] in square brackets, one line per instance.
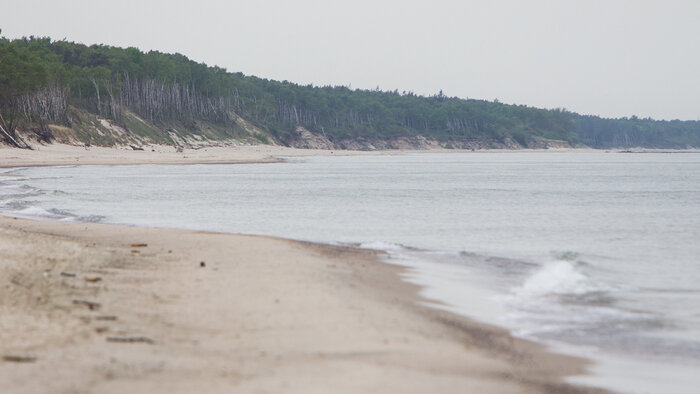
[62, 154]
[93, 308]
[111, 309]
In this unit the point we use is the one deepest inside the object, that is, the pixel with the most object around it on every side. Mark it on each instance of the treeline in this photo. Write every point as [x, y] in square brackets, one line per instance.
[635, 132]
[41, 79]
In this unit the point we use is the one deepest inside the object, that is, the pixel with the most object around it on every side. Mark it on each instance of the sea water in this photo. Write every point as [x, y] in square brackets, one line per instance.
[593, 253]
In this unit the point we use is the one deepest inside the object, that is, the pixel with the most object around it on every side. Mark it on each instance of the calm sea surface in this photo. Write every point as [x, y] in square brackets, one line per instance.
[595, 253]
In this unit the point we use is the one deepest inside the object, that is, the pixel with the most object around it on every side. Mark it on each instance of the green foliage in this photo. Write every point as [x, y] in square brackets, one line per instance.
[262, 138]
[21, 71]
[635, 132]
[143, 129]
[170, 89]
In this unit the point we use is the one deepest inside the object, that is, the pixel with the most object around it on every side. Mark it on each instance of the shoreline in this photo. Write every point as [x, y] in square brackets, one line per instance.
[62, 155]
[66, 155]
[59, 155]
[315, 317]
[495, 343]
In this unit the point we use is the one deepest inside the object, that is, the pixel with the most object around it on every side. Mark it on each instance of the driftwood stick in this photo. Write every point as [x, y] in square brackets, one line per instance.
[90, 304]
[18, 358]
[131, 340]
[9, 136]
[106, 317]
[5, 131]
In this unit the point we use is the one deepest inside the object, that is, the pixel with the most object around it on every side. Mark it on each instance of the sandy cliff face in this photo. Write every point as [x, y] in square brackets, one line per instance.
[543, 143]
[88, 129]
[305, 139]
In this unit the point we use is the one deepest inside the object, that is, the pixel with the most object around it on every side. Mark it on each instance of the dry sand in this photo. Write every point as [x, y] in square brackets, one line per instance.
[61, 154]
[87, 308]
[261, 315]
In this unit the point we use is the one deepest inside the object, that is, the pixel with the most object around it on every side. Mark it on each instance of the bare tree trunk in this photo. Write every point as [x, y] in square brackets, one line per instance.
[97, 91]
[113, 108]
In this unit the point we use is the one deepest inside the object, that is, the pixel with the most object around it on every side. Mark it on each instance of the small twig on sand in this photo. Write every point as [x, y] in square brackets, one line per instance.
[106, 317]
[92, 279]
[139, 245]
[68, 274]
[89, 304]
[19, 359]
[131, 340]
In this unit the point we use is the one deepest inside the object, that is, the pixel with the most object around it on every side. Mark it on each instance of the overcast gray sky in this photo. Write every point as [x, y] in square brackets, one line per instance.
[611, 58]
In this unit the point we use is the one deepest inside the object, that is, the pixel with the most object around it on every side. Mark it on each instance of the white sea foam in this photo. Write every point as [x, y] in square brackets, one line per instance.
[34, 211]
[558, 277]
[381, 245]
[557, 297]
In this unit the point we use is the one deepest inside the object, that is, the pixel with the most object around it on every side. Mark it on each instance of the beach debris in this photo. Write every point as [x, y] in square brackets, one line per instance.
[18, 358]
[139, 245]
[134, 147]
[90, 304]
[68, 274]
[134, 251]
[106, 317]
[131, 340]
[202, 264]
[101, 329]
[93, 279]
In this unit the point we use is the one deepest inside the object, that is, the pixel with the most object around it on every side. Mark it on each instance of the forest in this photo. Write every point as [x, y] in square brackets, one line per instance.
[44, 82]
